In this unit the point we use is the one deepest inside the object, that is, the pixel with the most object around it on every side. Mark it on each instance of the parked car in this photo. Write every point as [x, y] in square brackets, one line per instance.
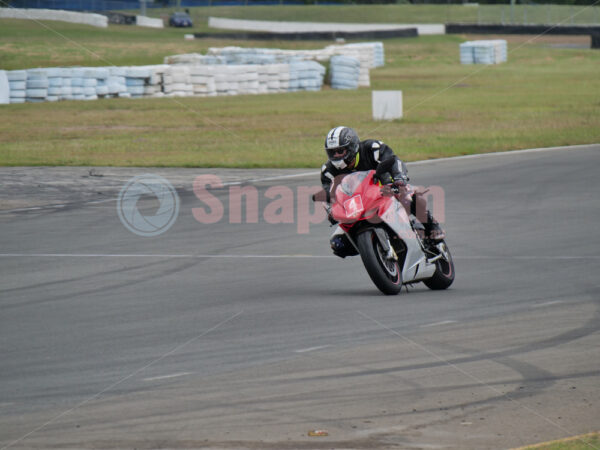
[180, 19]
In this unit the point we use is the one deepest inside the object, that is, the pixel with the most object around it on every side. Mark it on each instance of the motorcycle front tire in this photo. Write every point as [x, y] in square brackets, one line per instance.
[386, 274]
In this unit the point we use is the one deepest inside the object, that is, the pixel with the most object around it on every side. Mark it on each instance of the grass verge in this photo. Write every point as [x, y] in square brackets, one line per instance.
[583, 442]
[401, 13]
[542, 97]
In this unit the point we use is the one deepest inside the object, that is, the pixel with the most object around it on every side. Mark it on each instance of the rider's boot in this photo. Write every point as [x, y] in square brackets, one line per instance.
[341, 245]
[433, 231]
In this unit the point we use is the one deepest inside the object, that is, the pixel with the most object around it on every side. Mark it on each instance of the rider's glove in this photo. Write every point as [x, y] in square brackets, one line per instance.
[394, 187]
[385, 178]
[400, 181]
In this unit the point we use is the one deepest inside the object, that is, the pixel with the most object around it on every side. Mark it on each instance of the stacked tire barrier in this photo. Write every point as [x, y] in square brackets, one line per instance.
[4, 88]
[142, 81]
[306, 76]
[194, 59]
[364, 54]
[374, 52]
[92, 83]
[55, 85]
[116, 82]
[483, 52]
[74, 79]
[223, 71]
[177, 82]
[260, 73]
[203, 80]
[345, 72]
[17, 85]
[153, 85]
[369, 54]
[37, 86]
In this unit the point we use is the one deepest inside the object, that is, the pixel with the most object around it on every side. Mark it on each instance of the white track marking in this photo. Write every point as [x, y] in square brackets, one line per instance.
[437, 324]
[167, 256]
[96, 202]
[32, 208]
[279, 177]
[542, 305]
[530, 257]
[290, 256]
[166, 377]
[312, 349]
[507, 153]
[46, 207]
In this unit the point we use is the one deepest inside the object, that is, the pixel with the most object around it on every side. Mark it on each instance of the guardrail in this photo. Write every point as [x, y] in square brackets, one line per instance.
[108, 5]
[97, 20]
[311, 36]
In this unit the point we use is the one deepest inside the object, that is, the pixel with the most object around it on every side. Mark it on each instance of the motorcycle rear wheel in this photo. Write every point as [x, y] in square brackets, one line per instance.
[443, 276]
[386, 274]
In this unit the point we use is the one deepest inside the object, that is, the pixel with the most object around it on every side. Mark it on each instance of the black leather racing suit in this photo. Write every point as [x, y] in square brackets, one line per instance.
[370, 154]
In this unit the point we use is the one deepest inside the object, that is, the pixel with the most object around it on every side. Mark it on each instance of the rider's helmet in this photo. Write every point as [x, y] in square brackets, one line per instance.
[341, 145]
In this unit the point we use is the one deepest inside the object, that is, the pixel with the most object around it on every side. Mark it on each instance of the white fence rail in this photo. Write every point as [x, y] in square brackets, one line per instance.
[96, 20]
[316, 27]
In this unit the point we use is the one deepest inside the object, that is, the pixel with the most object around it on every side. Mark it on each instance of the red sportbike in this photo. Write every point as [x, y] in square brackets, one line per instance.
[392, 245]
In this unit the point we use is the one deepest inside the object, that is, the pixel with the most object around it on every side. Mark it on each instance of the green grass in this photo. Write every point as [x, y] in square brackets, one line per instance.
[542, 97]
[25, 44]
[327, 13]
[585, 442]
[400, 13]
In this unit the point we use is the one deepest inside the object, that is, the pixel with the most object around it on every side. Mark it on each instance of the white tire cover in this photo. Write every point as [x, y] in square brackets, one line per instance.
[4, 88]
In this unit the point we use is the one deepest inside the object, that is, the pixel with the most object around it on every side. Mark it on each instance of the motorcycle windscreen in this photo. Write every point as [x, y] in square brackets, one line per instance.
[352, 181]
[348, 206]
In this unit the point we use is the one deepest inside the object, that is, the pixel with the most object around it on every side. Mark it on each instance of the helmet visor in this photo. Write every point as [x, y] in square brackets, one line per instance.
[337, 153]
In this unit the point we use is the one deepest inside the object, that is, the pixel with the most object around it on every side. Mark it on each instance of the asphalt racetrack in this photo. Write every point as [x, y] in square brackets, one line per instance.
[251, 335]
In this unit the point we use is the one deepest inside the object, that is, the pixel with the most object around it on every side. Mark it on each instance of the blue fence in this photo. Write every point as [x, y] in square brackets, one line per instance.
[112, 5]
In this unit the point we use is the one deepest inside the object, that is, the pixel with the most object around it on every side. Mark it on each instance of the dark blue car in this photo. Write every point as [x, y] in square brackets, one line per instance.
[180, 19]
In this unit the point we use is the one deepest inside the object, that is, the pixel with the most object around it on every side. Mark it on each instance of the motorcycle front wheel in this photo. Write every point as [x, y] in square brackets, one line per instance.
[385, 273]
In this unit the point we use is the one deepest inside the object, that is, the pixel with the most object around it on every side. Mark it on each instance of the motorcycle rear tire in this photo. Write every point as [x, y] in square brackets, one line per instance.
[443, 276]
[387, 279]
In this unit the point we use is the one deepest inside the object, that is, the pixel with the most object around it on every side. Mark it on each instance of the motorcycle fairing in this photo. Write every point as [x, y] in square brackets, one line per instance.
[415, 266]
[355, 194]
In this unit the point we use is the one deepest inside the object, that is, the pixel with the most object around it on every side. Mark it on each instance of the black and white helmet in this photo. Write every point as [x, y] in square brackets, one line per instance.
[341, 145]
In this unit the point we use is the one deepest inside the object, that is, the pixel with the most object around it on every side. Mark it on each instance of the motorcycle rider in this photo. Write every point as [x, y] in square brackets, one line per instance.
[347, 153]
